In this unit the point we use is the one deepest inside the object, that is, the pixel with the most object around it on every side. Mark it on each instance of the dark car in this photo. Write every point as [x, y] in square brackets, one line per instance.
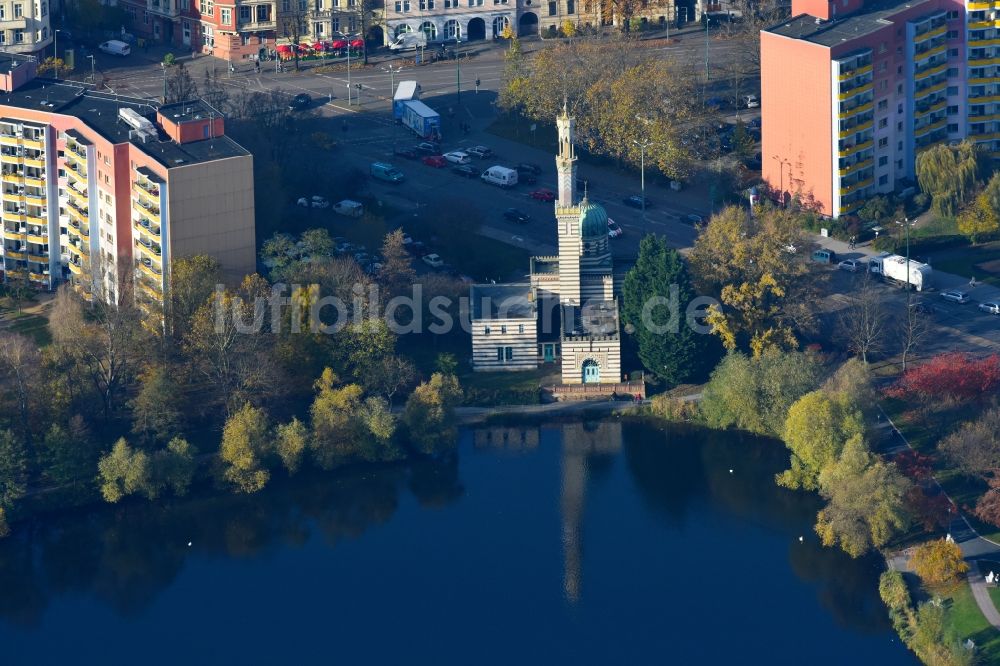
[636, 201]
[528, 167]
[514, 215]
[465, 170]
[299, 102]
[526, 177]
[408, 153]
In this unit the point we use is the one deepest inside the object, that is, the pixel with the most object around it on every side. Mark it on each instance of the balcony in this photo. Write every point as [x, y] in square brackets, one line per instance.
[150, 271]
[940, 30]
[850, 150]
[983, 62]
[37, 162]
[74, 267]
[927, 53]
[855, 129]
[146, 228]
[81, 197]
[149, 193]
[930, 90]
[77, 150]
[937, 69]
[34, 144]
[12, 177]
[854, 168]
[854, 92]
[856, 187]
[35, 181]
[859, 71]
[856, 110]
[76, 172]
[151, 290]
[149, 209]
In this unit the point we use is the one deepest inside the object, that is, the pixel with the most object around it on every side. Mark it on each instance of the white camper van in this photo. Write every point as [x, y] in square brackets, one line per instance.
[115, 47]
[409, 40]
[502, 176]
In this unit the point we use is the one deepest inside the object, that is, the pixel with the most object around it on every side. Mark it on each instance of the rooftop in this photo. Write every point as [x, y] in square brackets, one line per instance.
[594, 320]
[871, 18]
[100, 112]
[182, 112]
[502, 301]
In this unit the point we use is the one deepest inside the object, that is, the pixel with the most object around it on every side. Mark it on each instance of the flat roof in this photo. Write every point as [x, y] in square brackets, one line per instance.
[502, 301]
[100, 112]
[832, 33]
[595, 319]
[182, 112]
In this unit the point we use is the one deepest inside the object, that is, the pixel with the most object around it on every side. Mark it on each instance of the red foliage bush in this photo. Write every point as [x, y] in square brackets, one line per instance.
[954, 376]
[988, 507]
[914, 464]
[931, 511]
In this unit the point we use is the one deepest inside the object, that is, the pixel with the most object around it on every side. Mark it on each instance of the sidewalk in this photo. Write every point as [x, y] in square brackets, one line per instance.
[942, 281]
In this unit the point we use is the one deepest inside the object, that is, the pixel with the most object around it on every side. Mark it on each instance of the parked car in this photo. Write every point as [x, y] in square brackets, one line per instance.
[428, 148]
[457, 157]
[480, 151]
[299, 102]
[990, 306]
[614, 231]
[465, 170]
[526, 177]
[314, 202]
[637, 201]
[852, 265]
[749, 102]
[514, 215]
[436, 161]
[408, 153]
[529, 167]
[543, 195]
[407, 239]
[955, 296]
[695, 219]
[115, 47]
[433, 260]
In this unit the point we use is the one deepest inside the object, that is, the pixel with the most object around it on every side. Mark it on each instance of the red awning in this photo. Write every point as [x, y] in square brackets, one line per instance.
[357, 43]
[318, 46]
[339, 44]
[284, 48]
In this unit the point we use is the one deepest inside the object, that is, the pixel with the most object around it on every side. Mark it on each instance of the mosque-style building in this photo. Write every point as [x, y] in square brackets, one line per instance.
[567, 312]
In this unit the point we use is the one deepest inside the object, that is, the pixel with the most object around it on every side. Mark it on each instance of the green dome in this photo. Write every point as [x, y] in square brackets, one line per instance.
[593, 220]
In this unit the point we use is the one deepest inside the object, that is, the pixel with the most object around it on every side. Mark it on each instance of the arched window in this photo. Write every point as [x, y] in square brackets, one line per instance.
[430, 30]
[499, 23]
[452, 30]
[402, 29]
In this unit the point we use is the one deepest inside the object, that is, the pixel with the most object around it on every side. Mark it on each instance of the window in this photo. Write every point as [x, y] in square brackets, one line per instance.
[503, 330]
[319, 5]
[18, 10]
[520, 328]
[402, 6]
[883, 161]
[882, 123]
[881, 47]
[319, 29]
[244, 13]
[883, 180]
[952, 90]
[899, 146]
[426, 4]
[953, 34]
[486, 331]
[883, 85]
[952, 72]
[475, 3]
[952, 15]
[286, 5]
[952, 128]
[45, 8]
[3, 12]
[552, 9]
[953, 53]
[303, 5]
[899, 126]
[883, 104]
[952, 110]
[509, 353]
[145, 18]
[335, 25]
[450, 4]
[225, 16]
[899, 89]
[570, 7]
[352, 24]
[499, 354]
[899, 164]
[19, 36]
[899, 108]
[883, 142]
[882, 66]
[899, 69]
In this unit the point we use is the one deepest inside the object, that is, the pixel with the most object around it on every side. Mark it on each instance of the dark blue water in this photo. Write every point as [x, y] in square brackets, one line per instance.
[591, 544]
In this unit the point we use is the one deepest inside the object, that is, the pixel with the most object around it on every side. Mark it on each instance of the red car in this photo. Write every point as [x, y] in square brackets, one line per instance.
[436, 161]
[543, 195]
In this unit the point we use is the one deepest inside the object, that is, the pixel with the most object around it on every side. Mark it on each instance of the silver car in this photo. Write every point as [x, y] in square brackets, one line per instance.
[955, 296]
[990, 306]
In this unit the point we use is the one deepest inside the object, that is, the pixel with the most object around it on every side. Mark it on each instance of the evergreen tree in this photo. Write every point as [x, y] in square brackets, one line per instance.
[668, 346]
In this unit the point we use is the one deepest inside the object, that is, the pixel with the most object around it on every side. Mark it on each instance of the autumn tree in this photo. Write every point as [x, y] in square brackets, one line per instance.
[951, 376]
[123, 471]
[765, 296]
[429, 415]
[939, 562]
[932, 510]
[755, 393]
[291, 440]
[987, 507]
[655, 296]
[245, 444]
[390, 375]
[335, 429]
[174, 467]
[863, 322]
[979, 219]
[158, 406]
[13, 470]
[865, 501]
[817, 427]
[20, 364]
[192, 282]
[949, 174]
[911, 330]
[974, 448]
[396, 276]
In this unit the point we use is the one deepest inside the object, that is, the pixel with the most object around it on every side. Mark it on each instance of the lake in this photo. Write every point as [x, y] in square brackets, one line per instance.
[590, 543]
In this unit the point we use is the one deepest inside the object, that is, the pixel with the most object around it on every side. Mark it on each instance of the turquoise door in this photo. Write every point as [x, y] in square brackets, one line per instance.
[549, 353]
[591, 372]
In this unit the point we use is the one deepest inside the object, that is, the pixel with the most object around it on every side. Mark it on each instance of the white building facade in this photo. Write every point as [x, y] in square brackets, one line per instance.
[449, 20]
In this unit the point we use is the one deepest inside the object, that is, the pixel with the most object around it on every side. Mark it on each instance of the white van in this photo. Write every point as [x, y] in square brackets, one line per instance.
[349, 208]
[502, 176]
[409, 40]
[115, 47]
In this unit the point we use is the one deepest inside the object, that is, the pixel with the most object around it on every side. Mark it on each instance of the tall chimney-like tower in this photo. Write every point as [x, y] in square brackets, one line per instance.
[566, 159]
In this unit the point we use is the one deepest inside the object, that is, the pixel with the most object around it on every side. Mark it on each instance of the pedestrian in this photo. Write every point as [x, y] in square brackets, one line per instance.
[477, 85]
[256, 66]
[972, 282]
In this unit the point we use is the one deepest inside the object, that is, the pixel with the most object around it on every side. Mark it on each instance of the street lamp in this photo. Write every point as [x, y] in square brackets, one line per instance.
[643, 145]
[458, 71]
[392, 80]
[906, 227]
[781, 176]
[163, 66]
[708, 74]
[348, 72]
[93, 73]
[55, 48]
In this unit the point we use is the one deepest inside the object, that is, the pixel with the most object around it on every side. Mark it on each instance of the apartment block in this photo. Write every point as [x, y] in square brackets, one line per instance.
[852, 92]
[94, 185]
[24, 26]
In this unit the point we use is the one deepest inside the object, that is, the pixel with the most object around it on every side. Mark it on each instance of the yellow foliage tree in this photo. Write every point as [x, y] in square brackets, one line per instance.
[939, 562]
[816, 429]
[569, 28]
[244, 444]
[979, 219]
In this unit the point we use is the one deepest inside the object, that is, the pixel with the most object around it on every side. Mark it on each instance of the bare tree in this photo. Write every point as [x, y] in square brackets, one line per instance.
[20, 362]
[862, 324]
[911, 330]
[180, 86]
[365, 10]
[293, 26]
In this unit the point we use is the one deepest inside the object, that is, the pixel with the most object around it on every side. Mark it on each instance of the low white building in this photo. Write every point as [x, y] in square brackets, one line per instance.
[504, 327]
[449, 20]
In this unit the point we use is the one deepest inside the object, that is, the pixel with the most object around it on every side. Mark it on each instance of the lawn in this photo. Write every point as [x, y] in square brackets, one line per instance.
[968, 263]
[968, 621]
[35, 327]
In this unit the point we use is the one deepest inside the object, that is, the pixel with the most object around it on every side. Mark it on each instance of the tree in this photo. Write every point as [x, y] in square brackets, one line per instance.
[55, 66]
[568, 28]
[19, 373]
[987, 507]
[180, 86]
[933, 511]
[293, 25]
[396, 276]
[245, 443]
[380, 426]
[68, 454]
[429, 415]
[938, 562]
[193, 280]
[863, 322]
[621, 12]
[175, 466]
[13, 470]
[865, 501]
[754, 394]
[158, 407]
[123, 471]
[979, 219]
[816, 429]
[291, 440]
[390, 375]
[368, 18]
[4, 527]
[336, 431]
[974, 448]
[892, 590]
[911, 329]
[952, 376]
[949, 174]
[362, 346]
[875, 209]
[668, 345]
[761, 284]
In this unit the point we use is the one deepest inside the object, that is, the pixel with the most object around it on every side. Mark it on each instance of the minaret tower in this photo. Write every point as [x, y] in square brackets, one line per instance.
[566, 159]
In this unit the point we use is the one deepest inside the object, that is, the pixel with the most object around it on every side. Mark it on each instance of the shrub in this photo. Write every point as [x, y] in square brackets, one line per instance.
[168, 59]
[673, 409]
[939, 562]
[951, 375]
